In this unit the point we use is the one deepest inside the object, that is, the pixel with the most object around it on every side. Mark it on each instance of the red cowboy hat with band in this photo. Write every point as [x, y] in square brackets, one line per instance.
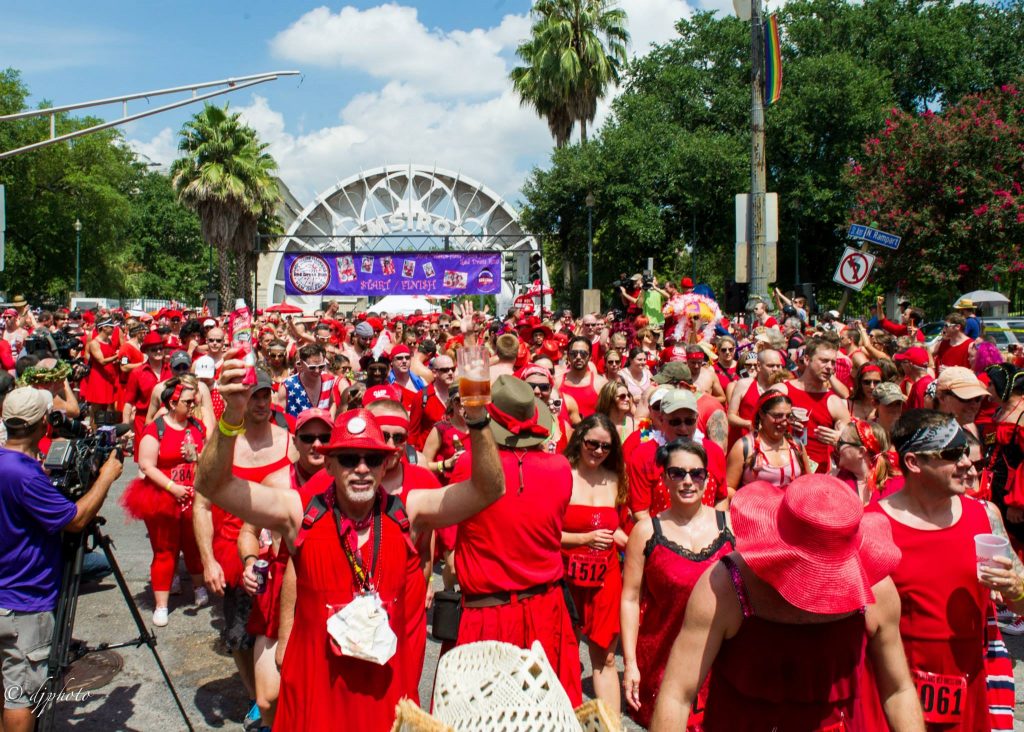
[813, 544]
[152, 340]
[357, 429]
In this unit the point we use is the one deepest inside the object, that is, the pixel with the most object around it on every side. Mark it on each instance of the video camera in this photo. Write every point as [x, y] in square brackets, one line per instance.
[73, 464]
[647, 279]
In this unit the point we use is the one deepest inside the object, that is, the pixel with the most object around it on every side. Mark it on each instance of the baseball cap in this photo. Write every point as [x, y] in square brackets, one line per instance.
[400, 350]
[678, 399]
[658, 394]
[204, 367]
[673, 372]
[179, 359]
[888, 393]
[310, 414]
[263, 381]
[686, 282]
[382, 391]
[209, 323]
[914, 355]
[26, 406]
[962, 382]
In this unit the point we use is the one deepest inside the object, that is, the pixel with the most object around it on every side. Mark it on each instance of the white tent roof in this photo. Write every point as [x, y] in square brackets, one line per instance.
[404, 305]
[985, 296]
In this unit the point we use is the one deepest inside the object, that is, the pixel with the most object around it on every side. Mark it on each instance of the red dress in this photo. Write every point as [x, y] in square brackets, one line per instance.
[943, 608]
[100, 385]
[142, 499]
[816, 404]
[491, 557]
[324, 691]
[670, 574]
[594, 576]
[793, 677]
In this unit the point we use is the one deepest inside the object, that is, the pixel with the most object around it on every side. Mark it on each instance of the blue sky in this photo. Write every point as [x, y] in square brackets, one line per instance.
[382, 83]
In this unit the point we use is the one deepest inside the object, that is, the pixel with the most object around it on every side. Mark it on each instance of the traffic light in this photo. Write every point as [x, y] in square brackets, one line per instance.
[508, 266]
[536, 268]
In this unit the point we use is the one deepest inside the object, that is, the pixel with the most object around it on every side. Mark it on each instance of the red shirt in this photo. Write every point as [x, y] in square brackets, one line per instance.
[915, 400]
[493, 558]
[141, 383]
[948, 355]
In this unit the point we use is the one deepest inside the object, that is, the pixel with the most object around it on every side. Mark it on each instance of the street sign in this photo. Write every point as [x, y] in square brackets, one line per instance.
[854, 268]
[771, 234]
[881, 238]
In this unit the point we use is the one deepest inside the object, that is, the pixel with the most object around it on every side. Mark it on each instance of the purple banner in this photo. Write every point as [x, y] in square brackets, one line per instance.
[371, 274]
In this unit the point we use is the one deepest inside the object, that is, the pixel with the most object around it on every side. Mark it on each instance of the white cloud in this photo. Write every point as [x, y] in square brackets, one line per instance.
[161, 149]
[389, 42]
[653, 21]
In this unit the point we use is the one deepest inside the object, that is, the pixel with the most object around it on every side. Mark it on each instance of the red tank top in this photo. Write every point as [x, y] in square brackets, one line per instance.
[746, 410]
[585, 396]
[814, 684]
[226, 526]
[816, 404]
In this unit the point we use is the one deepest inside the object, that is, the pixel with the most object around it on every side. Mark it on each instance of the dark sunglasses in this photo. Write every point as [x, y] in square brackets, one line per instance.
[580, 354]
[396, 438]
[324, 438]
[277, 357]
[214, 340]
[950, 454]
[187, 402]
[871, 382]
[697, 475]
[688, 421]
[541, 387]
[352, 460]
[597, 445]
[444, 369]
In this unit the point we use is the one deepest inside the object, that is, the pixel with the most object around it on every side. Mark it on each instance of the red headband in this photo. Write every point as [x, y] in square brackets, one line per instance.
[177, 392]
[516, 427]
[870, 443]
[392, 420]
[867, 437]
[870, 368]
[766, 396]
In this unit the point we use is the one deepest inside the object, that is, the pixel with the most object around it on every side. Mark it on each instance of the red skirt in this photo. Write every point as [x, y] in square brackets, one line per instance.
[598, 607]
[143, 500]
[543, 618]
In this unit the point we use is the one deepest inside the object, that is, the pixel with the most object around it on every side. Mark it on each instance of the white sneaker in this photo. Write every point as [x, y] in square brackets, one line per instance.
[202, 597]
[160, 617]
[1015, 628]
[1005, 615]
[176, 585]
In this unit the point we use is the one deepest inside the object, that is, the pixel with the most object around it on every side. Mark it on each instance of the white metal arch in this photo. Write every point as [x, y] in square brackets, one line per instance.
[403, 207]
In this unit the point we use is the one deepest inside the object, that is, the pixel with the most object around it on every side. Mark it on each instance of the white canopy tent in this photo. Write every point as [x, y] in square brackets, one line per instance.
[404, 305]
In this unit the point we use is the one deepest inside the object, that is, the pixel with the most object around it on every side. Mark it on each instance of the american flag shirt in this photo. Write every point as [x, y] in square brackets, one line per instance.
[298, 400]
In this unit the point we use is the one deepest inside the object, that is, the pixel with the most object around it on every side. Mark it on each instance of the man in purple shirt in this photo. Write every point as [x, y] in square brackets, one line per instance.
[33, 513]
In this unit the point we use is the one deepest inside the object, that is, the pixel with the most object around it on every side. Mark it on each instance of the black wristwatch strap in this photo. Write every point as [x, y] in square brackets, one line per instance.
[479, 425]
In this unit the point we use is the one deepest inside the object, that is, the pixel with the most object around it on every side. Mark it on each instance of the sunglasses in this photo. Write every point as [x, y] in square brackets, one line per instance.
[396, 438]
[871, 382]
[622, 396]
[277, 357]
[400, 358]
[324, 438]
[950, 454]
[214, 340]
[580, 354]
[697, 475]
[316, 368]
[352, 460]
[544, 388]
[187, 402]
[688, 421]
[597, 445]
[444, 369]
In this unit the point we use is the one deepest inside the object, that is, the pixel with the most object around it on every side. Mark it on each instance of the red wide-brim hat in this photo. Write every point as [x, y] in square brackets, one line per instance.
[813, 544]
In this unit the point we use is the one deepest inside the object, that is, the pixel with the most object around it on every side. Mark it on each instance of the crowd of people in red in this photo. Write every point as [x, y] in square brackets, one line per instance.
[748, 511]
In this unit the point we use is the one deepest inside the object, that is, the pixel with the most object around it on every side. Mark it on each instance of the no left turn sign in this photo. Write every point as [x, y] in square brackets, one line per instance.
[854, 268]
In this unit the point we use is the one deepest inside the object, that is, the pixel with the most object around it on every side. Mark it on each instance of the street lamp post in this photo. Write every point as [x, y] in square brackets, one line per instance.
[590, 240]
[78, 255]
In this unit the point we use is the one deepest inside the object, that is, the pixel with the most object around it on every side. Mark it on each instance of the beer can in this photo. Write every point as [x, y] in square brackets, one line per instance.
[261, 568]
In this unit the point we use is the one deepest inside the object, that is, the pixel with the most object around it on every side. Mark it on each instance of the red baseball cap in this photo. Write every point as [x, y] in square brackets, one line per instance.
[382, 391]
[686, 282]
[311, 414]
[400, 350]
[914, 355]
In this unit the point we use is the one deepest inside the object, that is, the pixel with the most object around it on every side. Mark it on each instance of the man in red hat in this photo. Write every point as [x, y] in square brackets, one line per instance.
[355, 608]
[511, 580]
[916, 378]
[823, 413]
[782, 623]
[946, 602]
[263, 454]
[141, 382]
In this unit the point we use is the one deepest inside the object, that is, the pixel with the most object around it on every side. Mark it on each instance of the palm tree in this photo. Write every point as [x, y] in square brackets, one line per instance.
[575, 53]
[226, 177]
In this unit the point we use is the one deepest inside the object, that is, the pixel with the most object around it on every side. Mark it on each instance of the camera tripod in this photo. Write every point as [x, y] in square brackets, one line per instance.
[62, 655]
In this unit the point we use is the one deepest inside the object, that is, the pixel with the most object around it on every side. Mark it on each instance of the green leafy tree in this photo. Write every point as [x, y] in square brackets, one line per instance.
[226, 177]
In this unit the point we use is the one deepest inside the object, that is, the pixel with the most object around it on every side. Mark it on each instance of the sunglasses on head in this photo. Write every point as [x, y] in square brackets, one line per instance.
[352, 460]
[697, 475]
[309, 439]
[679, 421]
[597, 445]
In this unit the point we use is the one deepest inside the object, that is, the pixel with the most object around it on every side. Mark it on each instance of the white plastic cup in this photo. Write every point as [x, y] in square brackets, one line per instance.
[988, 546]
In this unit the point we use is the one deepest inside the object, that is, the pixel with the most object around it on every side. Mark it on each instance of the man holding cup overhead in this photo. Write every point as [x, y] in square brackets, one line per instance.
[945, 592]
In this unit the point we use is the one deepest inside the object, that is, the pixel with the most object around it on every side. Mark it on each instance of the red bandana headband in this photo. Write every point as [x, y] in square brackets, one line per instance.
[393, 420]
[870, 368]
[177, 392]
[520, 428]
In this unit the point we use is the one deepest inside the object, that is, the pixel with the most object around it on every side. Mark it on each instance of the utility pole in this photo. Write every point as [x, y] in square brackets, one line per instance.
[78, 256]
[758, 167]
[590, 240]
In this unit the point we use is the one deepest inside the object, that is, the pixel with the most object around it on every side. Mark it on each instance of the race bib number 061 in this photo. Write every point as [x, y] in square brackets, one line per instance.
[942, 697]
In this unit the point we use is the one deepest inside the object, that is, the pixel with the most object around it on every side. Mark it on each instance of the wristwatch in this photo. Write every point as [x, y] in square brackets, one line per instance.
[480, 424]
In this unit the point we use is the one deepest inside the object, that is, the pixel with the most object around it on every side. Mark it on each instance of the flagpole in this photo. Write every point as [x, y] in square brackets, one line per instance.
[758, 168]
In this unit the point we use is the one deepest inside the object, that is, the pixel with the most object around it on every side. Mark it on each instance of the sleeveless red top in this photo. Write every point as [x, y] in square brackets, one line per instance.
[794, 677]
[816, 404]
[585, 396]
[746, 410]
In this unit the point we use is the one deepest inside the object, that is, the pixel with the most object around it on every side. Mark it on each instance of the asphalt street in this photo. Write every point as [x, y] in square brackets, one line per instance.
[137, 697]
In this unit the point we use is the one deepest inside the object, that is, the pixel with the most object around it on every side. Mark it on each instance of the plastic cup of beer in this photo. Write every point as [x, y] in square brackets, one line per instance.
[988, 546]
[474, 371]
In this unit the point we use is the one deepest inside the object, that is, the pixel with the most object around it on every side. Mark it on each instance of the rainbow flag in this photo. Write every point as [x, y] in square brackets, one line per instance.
[772, 61]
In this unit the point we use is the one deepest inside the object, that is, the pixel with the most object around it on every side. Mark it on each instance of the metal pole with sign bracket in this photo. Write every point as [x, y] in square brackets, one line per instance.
[868, 235]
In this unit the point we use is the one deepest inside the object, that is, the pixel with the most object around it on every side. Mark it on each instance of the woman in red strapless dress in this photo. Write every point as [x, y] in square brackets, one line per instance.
[665, 557]
[590, 536]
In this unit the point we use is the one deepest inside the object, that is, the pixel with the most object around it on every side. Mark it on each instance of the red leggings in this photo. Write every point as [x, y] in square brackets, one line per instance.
[169, 535]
